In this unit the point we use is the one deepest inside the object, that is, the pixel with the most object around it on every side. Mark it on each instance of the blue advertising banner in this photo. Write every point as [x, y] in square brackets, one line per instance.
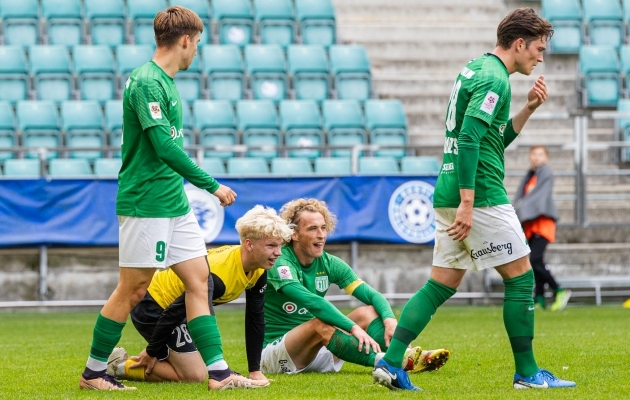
[394, 209]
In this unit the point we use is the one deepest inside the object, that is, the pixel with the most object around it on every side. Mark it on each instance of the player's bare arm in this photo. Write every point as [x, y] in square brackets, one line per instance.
[535, 98]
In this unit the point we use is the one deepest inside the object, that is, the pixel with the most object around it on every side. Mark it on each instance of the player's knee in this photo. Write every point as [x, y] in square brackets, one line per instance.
[195, 375]
[324, 330]
[363, 316]
[136, 295]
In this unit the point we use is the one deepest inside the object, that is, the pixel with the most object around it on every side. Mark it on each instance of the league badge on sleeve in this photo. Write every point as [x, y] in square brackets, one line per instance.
[285, 272]
[154, 109]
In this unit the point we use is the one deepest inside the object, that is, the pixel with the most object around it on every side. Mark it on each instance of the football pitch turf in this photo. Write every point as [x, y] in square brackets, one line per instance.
[43, 354]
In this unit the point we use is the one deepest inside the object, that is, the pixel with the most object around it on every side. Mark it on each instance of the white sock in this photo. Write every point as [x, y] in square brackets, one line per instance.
[96, 365]
[217, 366]
[378, 357]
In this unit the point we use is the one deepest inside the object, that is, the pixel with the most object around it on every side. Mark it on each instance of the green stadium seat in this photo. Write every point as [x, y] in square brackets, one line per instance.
[275, 21]
[141, 14]
[566, 17]
[302, 126]
[335, 166]
[308, 66]
[249, 166]
[213, 166]
[95, 70]
[113, 123]
[316, 19]
[202, 9]
[189, 83]
[107, 167]
[293, 166]
[343, 120]
[82, 124]
[39, 124]
[50, 68]
[14, 80]
[267, 71]
[130, 57]
[623, 125]
[351, 68]
[8, 135]
[420, 165]
[106, 21]
[20, 22]
[223, 65]
[387, 124]
[22, 168]
[234, 20]
[258, 122]
[378, 166]
[64, 21]
[67, 168]
[604, 21]
[599, 69]
[216, 123]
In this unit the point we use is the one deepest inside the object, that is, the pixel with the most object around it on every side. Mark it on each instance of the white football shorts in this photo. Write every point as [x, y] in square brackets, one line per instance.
[276, 360]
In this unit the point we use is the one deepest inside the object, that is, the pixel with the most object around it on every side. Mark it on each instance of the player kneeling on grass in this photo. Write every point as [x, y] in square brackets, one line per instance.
[304, 331]
[161, 316]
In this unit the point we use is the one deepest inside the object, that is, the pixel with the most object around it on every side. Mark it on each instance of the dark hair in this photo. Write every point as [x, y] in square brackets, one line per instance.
[522, 23]
[171, 24]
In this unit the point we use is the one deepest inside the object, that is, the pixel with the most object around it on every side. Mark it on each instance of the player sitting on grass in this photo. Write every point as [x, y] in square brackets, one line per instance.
[304, 331]
[161, 316]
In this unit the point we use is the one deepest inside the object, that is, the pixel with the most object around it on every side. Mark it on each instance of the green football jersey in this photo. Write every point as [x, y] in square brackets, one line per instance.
[482, 90]
[282, 313]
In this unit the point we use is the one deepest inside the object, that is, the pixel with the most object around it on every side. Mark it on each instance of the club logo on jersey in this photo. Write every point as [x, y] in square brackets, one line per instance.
[467, 73]
[502, 129]
[289, 307]
[285, 272]
[411, 212]
[490, 102]
[207, 210]
[321, 283]
[154, 109]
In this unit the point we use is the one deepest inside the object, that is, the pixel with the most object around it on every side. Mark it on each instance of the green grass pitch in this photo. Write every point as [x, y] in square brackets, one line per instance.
[42, 355]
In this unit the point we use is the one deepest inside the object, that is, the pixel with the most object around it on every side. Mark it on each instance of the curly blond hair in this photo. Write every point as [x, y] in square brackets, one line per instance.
[291, 211]
[262, 222]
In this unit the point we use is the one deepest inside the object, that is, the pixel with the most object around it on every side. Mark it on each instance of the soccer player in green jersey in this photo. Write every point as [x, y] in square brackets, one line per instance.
[157, 228]
[476, 227]
[304, 331]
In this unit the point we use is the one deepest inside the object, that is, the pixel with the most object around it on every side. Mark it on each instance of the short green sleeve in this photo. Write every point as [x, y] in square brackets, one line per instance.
[283, 273]
[489, 92]
[150, 102]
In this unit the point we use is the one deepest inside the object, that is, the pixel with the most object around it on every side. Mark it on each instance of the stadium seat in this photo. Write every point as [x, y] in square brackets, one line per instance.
[566, 17]
[599, 68]
[604, 21]
[333, 166]
[308, 66]
[64, 21]
[623, 125]
[106, 21]
[267, 71]
[258, 122]
[141, 14]
[20, 22]
[235, 23]
[189, 82]
[351, 68]
[188, 126]
[14, 80]
[50, 68]
[378, 166]
[223, 65]
[294, 166]
[420, 165]
[113, 123]
[275, 21]
[387, 124]
[216, 123]
[130, 57]
[82, 124]
[302, 126]
[343, 121]
[95, 71]
[107, 168]
[202, 9]
[251, 166]
[22, 168]
[213, 166]
[8, 135]
[316, 19]
[624, 55]
[39, 124]
[67, 168]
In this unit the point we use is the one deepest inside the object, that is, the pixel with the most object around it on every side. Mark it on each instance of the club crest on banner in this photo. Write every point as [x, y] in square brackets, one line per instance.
[206, 207]
[411, 212]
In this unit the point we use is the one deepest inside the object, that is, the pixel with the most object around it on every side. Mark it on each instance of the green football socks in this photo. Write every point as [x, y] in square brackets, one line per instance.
[518, 317]
[346, 347]
[107, 334]
[207, 338]
[376, 330]
[415, 316]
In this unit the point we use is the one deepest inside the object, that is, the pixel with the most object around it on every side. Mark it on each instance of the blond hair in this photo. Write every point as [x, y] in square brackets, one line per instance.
[171, 24]
[262, 222]
[291, 211]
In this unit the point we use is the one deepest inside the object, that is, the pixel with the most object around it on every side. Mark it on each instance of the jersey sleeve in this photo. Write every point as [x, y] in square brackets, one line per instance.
[341, 273]
[489, 91]
[150, 103]
[255, 322]
[282, 274]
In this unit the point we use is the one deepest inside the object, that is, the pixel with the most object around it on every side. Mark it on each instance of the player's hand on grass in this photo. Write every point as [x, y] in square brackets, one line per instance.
[258, 376]
[460, 229]
[538, 94]
[226, 195]
[365, 341]
[144, 360]
[390, 327]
